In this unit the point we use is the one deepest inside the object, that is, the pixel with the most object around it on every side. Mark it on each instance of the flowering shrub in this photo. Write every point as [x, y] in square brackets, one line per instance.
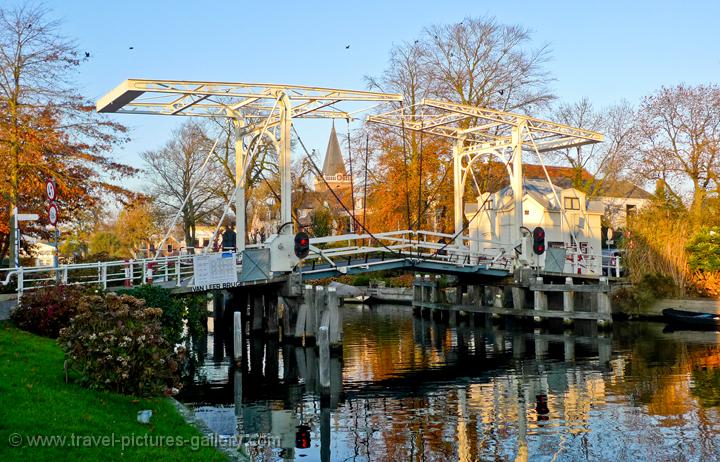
[117, 343]
[46, 310]
[173, 309]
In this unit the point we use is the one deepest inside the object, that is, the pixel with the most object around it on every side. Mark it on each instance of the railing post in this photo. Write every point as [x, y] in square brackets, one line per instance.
[177, 271]
[617, 266]
[144, 271]
[100, 273]
[20, 280]
[103, 274]
[65, 274]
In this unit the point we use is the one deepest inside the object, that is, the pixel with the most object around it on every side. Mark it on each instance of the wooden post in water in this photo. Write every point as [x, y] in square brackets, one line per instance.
[237, 336]
[427, 291]
[417, 289]
[271, 312]
[540, 300]
[569, 344]
[320, 306]
[518, 296]
[335, 317]
[568, 302]
[603, 305]
[258, 309]
[324, 349]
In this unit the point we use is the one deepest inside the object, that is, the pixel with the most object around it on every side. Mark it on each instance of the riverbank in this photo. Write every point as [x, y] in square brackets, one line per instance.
[63, 421]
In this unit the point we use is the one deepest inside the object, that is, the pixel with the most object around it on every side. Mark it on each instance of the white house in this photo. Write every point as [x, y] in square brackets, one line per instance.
[576, 235]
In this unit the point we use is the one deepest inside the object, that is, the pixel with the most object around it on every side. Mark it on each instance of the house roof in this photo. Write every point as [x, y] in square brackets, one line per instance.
[333, 164]
[624, 189]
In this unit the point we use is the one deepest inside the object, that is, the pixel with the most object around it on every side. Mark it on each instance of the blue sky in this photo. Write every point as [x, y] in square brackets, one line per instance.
[606, 50]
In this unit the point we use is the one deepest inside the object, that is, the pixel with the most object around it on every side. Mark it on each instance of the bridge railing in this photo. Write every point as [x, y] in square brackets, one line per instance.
[170, 271]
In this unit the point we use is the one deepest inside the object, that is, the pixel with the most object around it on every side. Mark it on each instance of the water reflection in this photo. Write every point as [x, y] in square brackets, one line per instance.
[411, 388]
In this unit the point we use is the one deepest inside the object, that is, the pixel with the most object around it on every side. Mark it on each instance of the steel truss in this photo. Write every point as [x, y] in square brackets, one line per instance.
[478, 133]
[256, 109]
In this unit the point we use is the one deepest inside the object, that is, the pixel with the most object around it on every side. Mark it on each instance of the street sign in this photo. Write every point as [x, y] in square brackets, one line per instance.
[50, 190]
[27, 217]
[53, 214]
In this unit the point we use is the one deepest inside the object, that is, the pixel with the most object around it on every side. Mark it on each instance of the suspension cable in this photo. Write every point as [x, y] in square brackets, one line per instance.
[318, 172]
[187, 197]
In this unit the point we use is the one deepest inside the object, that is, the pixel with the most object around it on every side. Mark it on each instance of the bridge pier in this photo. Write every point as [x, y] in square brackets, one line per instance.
[271, 314]
[257, 310]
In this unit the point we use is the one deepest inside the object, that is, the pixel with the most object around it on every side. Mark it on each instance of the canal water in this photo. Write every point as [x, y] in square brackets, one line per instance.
[409, 388]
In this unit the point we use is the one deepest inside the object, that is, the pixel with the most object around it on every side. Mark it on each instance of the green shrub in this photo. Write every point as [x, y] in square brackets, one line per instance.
[642, 295]
[46, 310]
[197, 314]
[361, 280]
[704, 250]
[116, 343]
[173, 309]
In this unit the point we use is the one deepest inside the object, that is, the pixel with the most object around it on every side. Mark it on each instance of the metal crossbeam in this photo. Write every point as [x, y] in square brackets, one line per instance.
[221, 99]
[483, 128]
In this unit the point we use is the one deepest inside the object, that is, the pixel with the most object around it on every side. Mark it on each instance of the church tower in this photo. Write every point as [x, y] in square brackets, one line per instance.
[334, 168]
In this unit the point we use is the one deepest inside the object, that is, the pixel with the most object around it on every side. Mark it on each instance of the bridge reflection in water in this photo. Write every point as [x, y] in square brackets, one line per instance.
[408, 388]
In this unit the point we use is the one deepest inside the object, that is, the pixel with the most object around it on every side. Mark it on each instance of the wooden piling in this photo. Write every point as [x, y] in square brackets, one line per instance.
[324, 347]
[258, 309]
[603, 303]
[540, 300]
[568, 301]
[237, 336]
[335, 324]
[271, 318]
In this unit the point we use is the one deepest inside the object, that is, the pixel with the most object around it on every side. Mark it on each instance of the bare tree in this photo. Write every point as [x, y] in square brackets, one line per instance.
[175, 169]
[679, 138]
[607, 161]
[477, 62]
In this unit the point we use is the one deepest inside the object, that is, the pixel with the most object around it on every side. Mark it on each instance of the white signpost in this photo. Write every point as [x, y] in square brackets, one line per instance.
[51, 192]
[215, 271]
[52, 214]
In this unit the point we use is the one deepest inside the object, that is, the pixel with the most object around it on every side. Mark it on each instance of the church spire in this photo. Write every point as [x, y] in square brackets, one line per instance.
[334, 164]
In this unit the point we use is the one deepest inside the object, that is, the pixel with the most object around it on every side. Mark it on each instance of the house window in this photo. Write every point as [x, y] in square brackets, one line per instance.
[630, 209]
[206, 242]
[572, 203]
[527, 212]
[169, 248]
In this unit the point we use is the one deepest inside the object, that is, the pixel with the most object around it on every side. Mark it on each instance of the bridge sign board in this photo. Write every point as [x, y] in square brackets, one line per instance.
[215, 271]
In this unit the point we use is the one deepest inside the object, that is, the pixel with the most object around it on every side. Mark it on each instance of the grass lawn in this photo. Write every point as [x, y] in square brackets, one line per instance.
[35, 400]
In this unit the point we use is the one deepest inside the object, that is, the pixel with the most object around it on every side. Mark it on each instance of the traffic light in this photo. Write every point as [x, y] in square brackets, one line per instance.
[538, 240]
[302, 437]
[302, 245]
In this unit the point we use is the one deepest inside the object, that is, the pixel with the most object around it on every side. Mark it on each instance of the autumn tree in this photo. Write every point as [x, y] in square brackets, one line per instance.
[679, 139]
[136, 226]
[183, 178]
[47, 128]
[476, 62]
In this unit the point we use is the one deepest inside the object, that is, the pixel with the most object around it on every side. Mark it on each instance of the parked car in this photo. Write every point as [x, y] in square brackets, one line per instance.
[609, 262]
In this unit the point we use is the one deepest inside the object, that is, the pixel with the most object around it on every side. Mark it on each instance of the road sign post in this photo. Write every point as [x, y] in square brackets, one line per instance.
[51, 192]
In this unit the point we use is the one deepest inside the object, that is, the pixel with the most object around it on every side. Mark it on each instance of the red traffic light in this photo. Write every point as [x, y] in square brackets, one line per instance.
[538, 240]
[302, 244]
[302, 437]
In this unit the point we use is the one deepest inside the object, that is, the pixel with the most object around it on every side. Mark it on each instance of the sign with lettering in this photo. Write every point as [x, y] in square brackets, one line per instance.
[215, 270]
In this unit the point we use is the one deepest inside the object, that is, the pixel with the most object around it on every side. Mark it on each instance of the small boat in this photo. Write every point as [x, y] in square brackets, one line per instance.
[691, 318]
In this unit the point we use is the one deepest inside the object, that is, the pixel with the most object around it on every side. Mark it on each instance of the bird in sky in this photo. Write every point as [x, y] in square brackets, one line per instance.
[132, 48]
[87, 55]
[347, 47]
[501, 92]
